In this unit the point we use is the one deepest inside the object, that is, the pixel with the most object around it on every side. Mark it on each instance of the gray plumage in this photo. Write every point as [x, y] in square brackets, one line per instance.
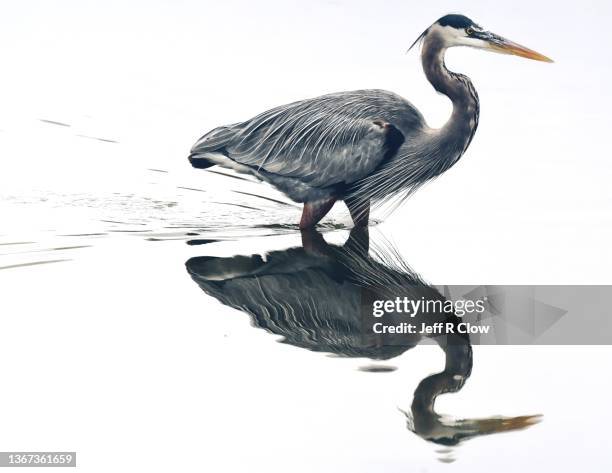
[319, 297]
[313, 148]
[363, 146]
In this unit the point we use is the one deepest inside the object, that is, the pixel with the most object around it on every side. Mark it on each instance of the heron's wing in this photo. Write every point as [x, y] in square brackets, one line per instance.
[293, 293]
[332, 139]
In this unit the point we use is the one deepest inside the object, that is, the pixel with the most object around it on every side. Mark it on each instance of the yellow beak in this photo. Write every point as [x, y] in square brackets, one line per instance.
[505, 46]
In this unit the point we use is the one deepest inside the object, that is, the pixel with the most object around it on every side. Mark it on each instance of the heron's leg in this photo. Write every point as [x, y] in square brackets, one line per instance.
[358, 241]
[314, 211]
[313, 242]
[359, 209]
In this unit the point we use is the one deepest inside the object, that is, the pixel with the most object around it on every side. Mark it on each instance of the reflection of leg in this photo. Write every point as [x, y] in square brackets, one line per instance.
[359, 240]
[359, 209]
[313, 241]
[314, 211]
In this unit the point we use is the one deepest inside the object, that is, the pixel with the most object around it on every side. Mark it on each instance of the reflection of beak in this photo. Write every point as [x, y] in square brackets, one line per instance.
[505, 46]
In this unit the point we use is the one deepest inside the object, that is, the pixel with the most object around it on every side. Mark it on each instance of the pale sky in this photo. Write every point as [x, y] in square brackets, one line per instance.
[156, 75]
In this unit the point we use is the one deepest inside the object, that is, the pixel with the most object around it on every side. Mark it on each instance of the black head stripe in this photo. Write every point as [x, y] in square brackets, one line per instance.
[456, 21]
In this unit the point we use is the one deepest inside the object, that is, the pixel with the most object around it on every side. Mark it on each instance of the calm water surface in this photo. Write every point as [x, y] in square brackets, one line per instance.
[226, 340]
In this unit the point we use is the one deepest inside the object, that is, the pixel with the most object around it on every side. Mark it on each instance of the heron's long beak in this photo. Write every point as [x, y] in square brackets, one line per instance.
[505, 46]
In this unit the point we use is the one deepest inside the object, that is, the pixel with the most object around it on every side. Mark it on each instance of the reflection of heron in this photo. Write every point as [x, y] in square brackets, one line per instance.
[361, 146]
[315, 296]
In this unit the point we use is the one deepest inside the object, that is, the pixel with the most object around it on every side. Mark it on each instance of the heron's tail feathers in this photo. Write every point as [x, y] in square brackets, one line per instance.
[208, 268]
[211, 144]
[200, 161]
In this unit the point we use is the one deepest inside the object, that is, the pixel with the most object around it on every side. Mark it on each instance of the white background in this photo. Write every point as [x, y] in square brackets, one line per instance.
[117, 349]
[155, 75]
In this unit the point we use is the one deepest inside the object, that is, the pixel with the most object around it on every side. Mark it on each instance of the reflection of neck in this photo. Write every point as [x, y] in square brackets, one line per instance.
[457, 369]
[443, 430]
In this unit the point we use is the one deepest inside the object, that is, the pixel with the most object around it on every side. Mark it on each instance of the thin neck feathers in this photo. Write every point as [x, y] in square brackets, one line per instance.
[458, 132]
[427, 153]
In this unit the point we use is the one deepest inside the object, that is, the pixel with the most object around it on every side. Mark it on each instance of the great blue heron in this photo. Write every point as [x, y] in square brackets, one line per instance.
[361, 146]
[320, 297]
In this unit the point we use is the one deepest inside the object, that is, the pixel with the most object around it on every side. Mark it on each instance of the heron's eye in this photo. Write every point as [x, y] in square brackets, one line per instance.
[469, 30]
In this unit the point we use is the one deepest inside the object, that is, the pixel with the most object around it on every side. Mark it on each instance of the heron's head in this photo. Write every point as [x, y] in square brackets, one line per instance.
[459, 30]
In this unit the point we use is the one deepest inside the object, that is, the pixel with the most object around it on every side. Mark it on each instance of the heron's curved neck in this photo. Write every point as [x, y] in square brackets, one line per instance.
[458, 368]
[458, 132]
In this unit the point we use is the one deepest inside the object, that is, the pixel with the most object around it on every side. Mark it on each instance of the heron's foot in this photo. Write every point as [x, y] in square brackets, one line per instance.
[313, 242]
[361, 222]
[314, 211]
